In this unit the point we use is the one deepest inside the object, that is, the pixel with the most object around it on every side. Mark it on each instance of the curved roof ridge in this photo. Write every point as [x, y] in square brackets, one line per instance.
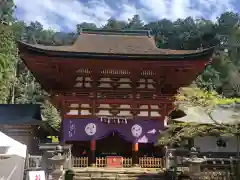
[116, 32]
[92, 44]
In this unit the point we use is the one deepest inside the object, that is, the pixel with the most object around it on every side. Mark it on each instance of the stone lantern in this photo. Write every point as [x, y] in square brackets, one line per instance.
[170, 158]
[57, 161]
[195, 164]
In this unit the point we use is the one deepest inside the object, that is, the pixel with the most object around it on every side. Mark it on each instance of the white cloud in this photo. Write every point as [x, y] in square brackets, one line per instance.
[128, 11]
[72, 12]
[174, 9]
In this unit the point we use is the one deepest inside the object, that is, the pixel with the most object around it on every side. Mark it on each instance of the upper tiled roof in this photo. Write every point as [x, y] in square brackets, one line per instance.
[115, 43]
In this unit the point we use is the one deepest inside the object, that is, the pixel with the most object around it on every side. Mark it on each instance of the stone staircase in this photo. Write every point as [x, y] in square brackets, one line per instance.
[118, 174]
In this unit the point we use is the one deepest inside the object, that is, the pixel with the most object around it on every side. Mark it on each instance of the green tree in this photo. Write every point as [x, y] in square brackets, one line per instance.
[207, 102]
[8, 60]
[85, 25]
[135, 23]
[25, 88]
[6, 11]
[51, 115]
[115, 25]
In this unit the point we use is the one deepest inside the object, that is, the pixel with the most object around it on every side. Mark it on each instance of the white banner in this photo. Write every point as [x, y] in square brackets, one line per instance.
[36, 175]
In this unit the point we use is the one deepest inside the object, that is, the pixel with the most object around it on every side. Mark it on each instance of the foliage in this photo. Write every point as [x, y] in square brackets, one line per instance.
[54, 139]
[51, 115]
[85, 25]
[195, 96]
[8, 59]
[6, 10]
[27, 89]
[115, 25]
[178, 131]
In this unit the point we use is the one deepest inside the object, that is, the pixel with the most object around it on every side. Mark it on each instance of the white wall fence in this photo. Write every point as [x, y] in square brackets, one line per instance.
[209, 144]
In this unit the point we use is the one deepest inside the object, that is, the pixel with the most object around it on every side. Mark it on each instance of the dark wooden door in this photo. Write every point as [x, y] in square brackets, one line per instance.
[114, 144]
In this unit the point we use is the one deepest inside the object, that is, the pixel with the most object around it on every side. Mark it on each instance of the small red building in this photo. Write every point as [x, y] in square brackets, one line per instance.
[114, 89]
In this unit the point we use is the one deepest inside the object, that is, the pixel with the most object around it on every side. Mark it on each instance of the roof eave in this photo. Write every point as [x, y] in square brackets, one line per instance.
[31, 122]
[206, 53]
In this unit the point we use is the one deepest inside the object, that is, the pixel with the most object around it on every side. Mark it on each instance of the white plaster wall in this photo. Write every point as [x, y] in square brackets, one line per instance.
[209, 144]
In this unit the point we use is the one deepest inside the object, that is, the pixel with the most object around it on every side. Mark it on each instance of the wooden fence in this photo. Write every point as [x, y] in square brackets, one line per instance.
[151, 162]
[144, 162]
[101, 161]
[34, 162]
[80, 161]
[212, 169]
[127, 162]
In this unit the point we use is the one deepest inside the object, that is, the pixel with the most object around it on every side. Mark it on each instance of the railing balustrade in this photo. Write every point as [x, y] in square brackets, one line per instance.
[80, 161]
[151, 162]
[213, 168]
[101, 162]
[127, 162]
[144, 162]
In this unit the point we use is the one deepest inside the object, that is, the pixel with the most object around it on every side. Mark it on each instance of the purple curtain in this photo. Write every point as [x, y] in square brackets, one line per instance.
[136, 131]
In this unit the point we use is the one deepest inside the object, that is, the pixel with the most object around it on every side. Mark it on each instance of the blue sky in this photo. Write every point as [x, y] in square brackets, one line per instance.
[65, 14]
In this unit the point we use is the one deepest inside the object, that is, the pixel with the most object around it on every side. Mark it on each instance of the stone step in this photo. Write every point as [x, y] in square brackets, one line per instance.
[117, 174]
[123, 178]
[86, 176]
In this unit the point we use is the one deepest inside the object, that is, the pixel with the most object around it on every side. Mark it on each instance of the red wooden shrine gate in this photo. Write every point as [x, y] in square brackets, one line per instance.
[113, 76]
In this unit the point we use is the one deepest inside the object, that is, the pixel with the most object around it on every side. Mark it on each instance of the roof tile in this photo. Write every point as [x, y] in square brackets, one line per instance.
[115, 42]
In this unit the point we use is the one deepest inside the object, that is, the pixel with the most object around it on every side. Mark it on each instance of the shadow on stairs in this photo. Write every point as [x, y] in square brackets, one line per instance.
[118, 174]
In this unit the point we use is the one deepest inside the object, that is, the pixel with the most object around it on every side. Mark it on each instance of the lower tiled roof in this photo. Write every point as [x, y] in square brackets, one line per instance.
[19, 114]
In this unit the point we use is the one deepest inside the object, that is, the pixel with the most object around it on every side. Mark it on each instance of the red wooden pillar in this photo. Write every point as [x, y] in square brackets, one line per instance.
[135, 154]
[92, 158]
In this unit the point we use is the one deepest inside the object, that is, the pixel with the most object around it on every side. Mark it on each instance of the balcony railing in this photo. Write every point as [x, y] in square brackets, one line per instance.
[80, 161]
[127, 162]
[34, 162]
[144, 162]
[101, 162]
[151, 162]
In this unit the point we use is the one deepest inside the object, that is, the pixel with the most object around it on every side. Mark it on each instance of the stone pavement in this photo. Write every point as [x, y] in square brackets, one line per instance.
[135, 173]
